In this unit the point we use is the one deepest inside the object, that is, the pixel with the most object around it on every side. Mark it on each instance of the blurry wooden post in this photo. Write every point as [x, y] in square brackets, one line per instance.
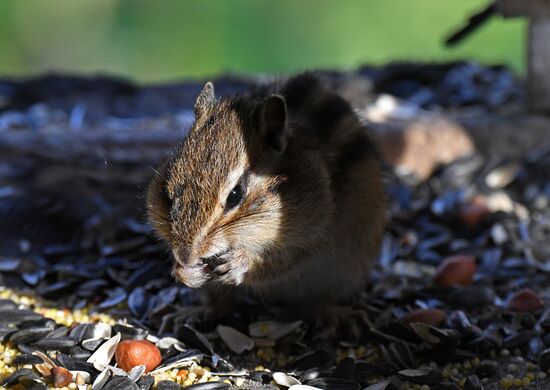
[538, 47]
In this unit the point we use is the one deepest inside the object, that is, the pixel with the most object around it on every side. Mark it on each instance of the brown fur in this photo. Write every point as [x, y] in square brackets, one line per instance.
[314, 209]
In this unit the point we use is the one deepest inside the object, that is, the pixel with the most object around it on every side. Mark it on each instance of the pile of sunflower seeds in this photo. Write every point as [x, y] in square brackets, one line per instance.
[459, 298]
[406, 330]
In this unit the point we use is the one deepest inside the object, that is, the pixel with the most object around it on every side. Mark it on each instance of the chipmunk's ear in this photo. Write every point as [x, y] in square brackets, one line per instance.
[205, 101]
[272, 117]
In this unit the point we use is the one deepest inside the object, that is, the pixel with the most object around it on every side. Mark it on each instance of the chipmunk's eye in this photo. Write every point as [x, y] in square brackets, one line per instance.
[235, 197]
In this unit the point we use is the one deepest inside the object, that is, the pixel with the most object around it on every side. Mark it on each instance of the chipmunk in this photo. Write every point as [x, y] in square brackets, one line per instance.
[278, 192]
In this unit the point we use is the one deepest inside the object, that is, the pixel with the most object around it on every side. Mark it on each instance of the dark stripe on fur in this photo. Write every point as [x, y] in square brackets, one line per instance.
[299, 90]
[357, 149]
[326, 115]
[322, 109]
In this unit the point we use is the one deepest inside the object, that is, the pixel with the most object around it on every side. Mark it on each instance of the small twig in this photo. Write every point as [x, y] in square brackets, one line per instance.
[474, 22]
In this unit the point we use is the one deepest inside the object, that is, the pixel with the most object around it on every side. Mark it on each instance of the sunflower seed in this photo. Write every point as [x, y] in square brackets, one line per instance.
[209, 386]
[136, 372]
[183, 359]
[378, 386]
[14, 316]
[115, 296]
[27, 359]
[92, 344]
[130, 332]
[421, 376]
[19, 375]
[194, 339]
[145, 382]
[9, 264]
[167, 342]
[104, 354]
[29, 335]
[285, 380]
[82, 332]
[502, 176]
[120, 383]
[168, 385]
[334, 383]
[57, 344]
[101, 379]
[235, 340]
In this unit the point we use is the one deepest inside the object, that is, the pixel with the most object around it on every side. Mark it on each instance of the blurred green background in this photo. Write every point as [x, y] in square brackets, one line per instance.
[160, 40]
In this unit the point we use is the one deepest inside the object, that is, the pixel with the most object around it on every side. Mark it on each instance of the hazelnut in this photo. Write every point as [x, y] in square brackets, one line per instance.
[61, 376]
[434, 317]
[456, 270]
[475, 212]
[132, 353]
[525, 300]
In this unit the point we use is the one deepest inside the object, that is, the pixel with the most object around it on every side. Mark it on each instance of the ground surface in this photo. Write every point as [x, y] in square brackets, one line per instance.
[459, 299]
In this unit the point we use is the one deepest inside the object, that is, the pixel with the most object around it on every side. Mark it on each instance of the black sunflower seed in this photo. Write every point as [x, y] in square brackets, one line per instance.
[27, 359]
[130, 332]
[40, 323]
[210, 386]
[76, 365]
[29, 335]
[79, 353]
[422, 376]
[19, 375]
[544, 360]
[35, 386]
[82, 332]
[90, 287]
[26, 348]
[139, 302]
[345, 369]
[517, 340]
[58, 343]
[473, 383]
[6, 304]
[190, 354]
[334, 384]
[194, 339]
[446, 386]
[33, 278]
[168, 385]
[115, 296]
[5, 331]
[54, 290]
[8, 264]
[120, 383]
[57, 333]
[145, 382]
[92, 344]
[14, 316]
[317, 359]
[263, 377]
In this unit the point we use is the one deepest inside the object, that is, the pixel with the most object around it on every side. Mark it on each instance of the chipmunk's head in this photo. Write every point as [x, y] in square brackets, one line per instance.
[237, 195]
